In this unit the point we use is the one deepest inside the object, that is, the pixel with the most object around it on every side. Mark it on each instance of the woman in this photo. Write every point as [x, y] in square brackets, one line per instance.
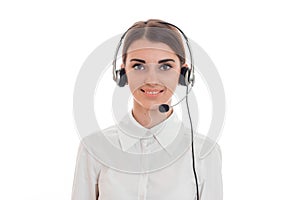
[153, 62]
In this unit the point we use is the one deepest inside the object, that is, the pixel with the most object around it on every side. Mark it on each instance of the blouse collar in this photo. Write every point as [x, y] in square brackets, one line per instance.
[132, 131]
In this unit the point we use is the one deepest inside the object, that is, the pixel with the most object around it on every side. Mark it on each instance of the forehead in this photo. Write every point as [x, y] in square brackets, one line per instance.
[146, 48]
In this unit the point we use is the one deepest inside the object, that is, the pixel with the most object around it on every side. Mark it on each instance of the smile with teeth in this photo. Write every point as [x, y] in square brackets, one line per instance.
[151, 92]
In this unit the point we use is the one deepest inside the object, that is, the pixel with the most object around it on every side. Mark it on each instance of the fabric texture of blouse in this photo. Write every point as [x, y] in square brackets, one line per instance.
[93, 180]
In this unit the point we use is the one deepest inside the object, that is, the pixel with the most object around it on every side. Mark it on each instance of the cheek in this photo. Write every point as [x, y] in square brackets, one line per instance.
[171, 81]
[134, 82]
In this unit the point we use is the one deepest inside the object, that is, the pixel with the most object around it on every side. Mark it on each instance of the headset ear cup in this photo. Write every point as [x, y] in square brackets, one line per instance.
[121, 77]
[184, 76]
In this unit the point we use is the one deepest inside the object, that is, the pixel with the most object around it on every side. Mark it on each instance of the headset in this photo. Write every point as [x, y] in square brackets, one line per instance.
[186, 74]
[186, 78]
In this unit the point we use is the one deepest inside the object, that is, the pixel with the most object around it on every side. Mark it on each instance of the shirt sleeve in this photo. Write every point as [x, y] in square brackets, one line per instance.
[85, 184]
[210, 175]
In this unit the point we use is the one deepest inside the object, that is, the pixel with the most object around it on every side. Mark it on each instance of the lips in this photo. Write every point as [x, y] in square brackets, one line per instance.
[152, 92]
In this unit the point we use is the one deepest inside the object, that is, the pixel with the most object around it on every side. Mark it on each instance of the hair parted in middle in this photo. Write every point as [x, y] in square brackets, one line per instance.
[155, 30]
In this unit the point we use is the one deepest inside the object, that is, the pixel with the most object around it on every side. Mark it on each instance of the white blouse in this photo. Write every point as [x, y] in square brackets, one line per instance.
[94, 179]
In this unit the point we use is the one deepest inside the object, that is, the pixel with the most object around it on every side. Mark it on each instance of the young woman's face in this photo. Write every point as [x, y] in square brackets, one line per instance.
[152, 70]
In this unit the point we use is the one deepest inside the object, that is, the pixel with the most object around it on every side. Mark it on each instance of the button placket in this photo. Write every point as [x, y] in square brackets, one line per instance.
[144, 176]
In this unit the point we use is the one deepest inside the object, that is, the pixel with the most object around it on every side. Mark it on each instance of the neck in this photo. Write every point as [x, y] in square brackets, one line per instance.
[149, 118]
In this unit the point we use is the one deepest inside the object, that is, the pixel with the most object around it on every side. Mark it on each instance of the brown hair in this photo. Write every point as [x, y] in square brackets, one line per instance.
[156, 31]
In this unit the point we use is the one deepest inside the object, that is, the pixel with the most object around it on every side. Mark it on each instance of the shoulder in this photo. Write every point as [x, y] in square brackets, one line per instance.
[94, 138]
[95, 143]
[206, 146]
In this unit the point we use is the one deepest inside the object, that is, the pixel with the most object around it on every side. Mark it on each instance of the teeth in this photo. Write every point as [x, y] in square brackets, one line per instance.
[152, 92]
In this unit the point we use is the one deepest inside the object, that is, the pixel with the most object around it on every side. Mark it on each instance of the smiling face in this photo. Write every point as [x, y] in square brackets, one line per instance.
[152, 70]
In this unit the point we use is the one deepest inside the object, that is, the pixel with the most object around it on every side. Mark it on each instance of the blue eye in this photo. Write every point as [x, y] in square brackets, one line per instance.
[138, 67]
[165, 67]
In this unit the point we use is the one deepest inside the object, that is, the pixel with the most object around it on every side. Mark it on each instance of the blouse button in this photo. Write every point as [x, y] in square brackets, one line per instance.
[144, 142]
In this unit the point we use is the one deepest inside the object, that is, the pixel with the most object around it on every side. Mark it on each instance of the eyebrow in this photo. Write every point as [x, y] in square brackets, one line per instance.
[143, 61]
[138, 60]
[166, 60]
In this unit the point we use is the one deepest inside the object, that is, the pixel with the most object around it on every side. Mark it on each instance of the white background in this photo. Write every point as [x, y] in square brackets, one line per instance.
[254, 44]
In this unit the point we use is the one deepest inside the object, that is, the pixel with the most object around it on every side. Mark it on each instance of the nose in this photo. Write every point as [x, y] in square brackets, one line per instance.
[152, 76]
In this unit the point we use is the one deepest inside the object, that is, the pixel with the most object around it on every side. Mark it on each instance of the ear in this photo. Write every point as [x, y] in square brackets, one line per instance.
[122, 65]
[184, 65]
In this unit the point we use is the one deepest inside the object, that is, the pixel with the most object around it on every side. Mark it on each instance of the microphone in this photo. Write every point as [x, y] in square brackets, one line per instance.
[165, 107]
